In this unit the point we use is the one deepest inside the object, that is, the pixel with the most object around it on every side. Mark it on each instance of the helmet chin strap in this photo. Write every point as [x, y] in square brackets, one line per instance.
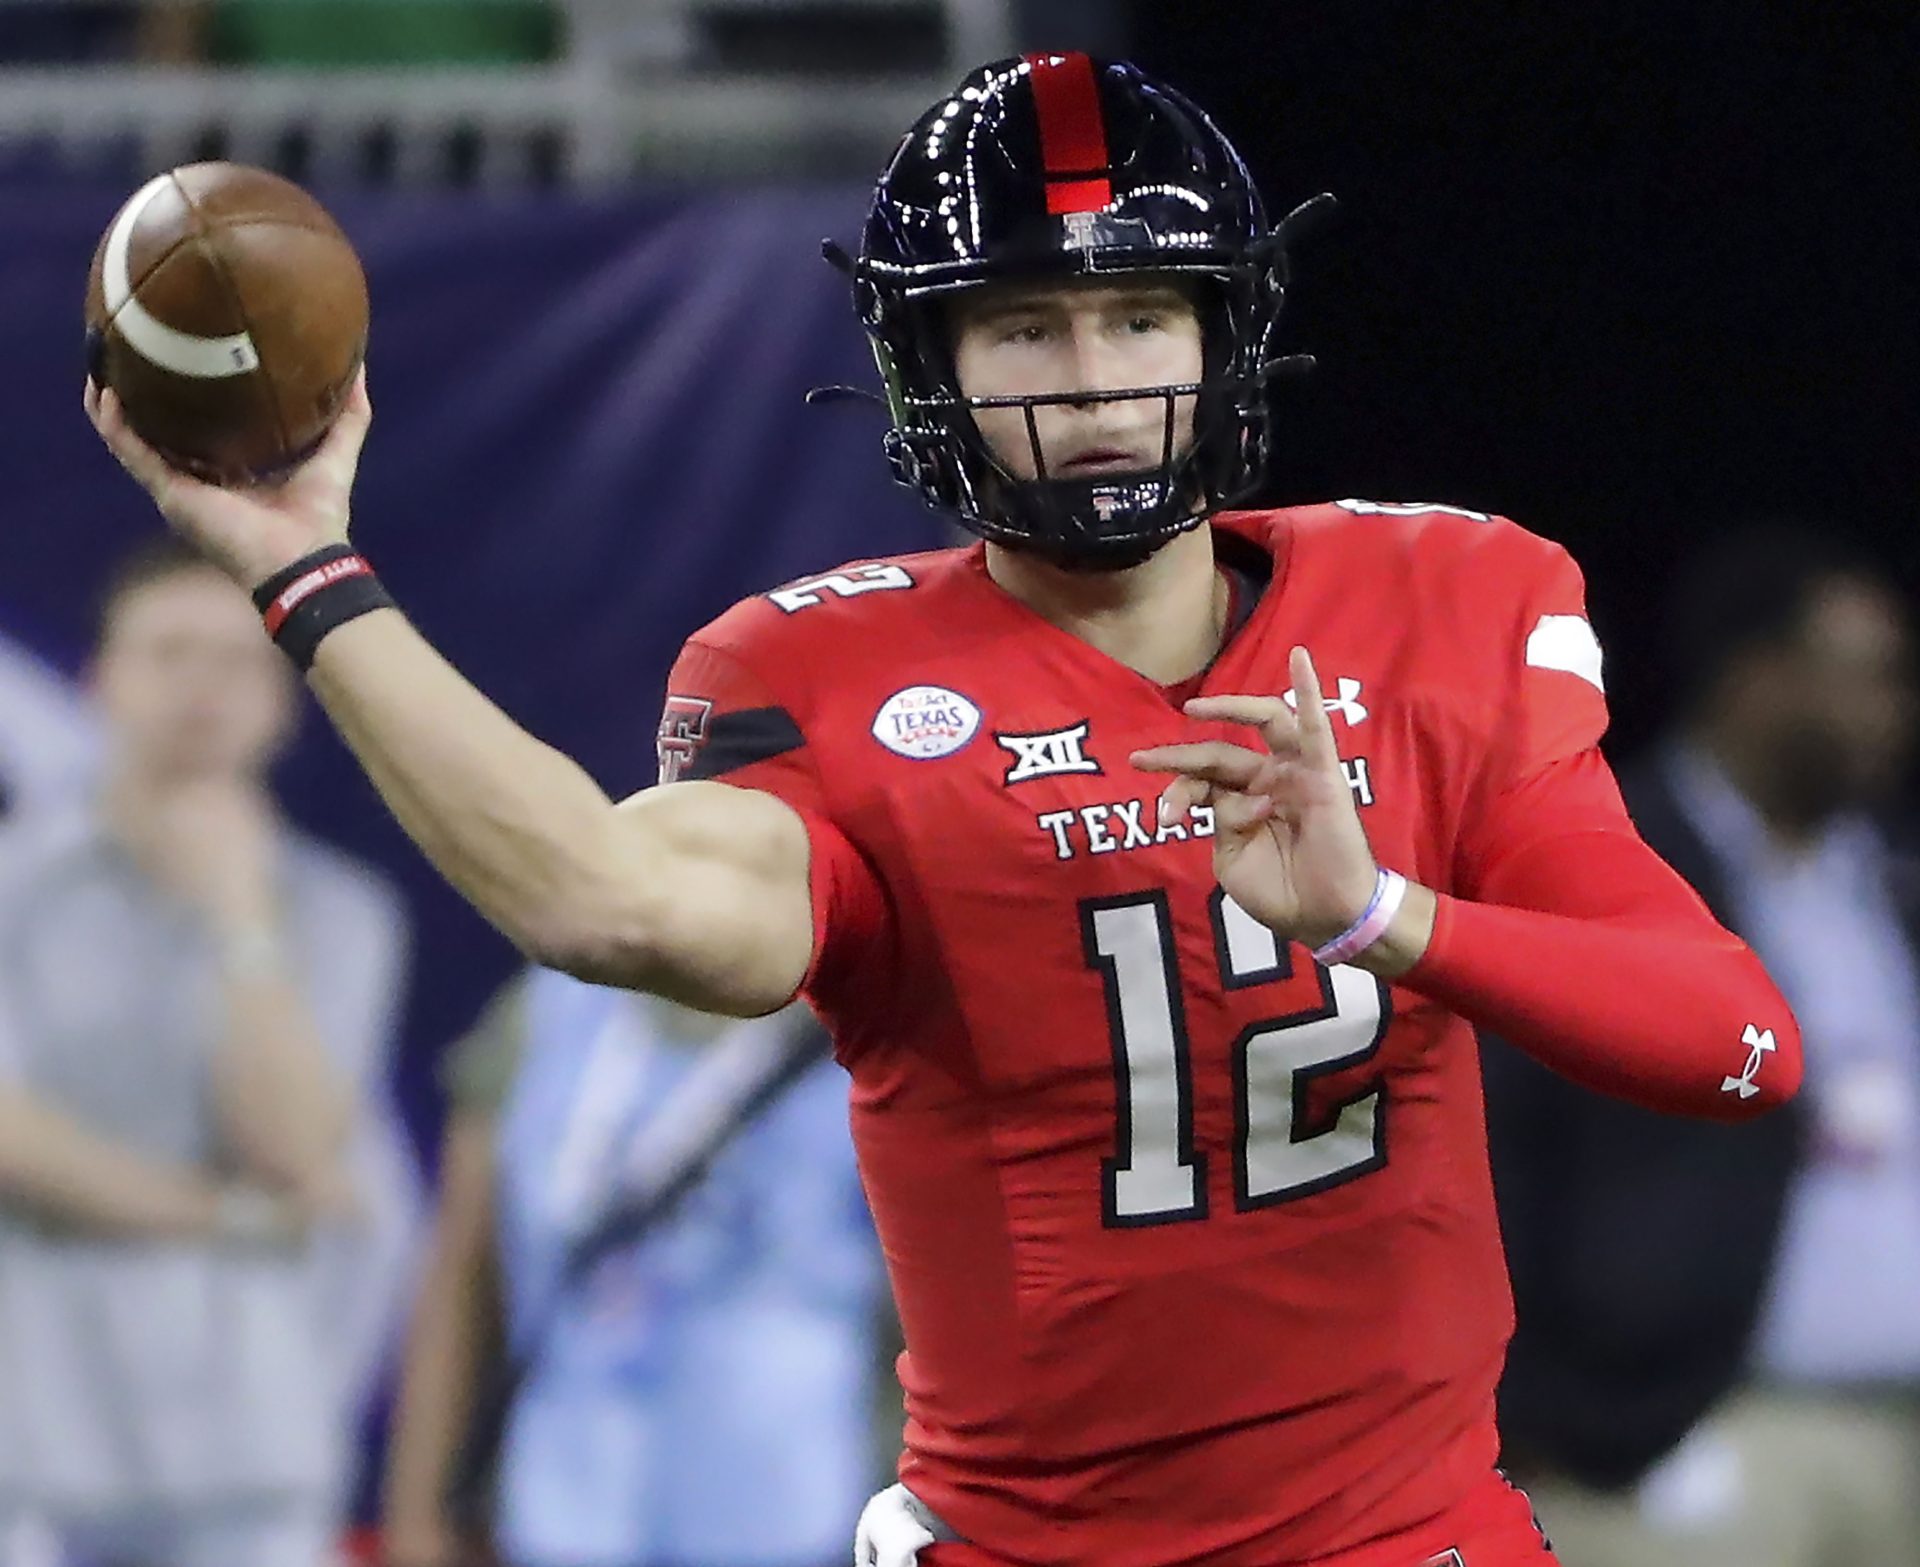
[1091, 562]
[1075, 546]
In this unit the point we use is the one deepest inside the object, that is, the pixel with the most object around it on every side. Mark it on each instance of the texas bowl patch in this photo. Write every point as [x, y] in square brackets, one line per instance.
[923, 722]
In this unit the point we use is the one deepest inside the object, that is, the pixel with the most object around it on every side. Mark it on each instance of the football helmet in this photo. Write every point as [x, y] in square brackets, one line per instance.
[1058, 165]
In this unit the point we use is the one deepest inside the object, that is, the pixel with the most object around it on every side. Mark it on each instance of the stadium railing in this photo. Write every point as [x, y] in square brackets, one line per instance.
[669, 88]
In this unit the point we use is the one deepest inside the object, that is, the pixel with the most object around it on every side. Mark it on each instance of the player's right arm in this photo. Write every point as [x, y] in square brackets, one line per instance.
[698, 891]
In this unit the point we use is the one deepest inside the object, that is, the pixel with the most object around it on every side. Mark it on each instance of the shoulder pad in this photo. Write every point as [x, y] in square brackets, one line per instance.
[863, 594]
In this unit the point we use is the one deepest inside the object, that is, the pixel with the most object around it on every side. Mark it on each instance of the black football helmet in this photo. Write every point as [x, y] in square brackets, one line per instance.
[1060, 165]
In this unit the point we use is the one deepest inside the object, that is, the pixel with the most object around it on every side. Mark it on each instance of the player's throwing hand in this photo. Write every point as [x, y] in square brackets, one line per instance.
[1288, 845]
[249, 531]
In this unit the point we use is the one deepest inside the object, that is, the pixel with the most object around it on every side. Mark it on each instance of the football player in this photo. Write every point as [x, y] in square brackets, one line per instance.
[1150, 861]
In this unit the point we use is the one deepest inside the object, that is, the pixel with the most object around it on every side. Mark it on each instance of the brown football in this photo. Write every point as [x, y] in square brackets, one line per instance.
[229, 314]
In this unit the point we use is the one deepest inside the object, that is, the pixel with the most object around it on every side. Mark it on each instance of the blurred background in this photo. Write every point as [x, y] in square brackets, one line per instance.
[1638, 276]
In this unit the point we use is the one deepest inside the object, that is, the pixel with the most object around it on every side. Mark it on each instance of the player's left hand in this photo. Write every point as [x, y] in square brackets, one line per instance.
[1288, 846]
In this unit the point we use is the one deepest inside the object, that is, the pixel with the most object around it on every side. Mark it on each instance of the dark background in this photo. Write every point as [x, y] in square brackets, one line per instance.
[1627, 273]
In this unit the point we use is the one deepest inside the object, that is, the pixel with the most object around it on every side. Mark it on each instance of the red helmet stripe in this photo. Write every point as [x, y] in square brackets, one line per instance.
[1073, 132]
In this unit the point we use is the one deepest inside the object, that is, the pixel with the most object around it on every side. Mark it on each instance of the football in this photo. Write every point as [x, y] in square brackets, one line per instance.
[228, 312]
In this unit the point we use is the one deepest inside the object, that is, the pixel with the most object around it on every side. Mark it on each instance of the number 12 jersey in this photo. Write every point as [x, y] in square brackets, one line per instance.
[1192, 1239]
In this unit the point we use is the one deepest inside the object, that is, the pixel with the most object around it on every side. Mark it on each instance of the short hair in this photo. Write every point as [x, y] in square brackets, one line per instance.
[1750, 590]
[154, 560]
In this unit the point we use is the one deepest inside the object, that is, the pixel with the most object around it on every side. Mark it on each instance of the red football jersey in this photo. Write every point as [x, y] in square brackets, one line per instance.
[1193, 1240]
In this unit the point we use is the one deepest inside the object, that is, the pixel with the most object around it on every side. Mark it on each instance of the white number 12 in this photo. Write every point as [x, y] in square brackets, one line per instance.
[1156, 1176]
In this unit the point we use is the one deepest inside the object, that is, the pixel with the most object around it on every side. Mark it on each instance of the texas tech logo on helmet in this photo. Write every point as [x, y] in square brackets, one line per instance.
[683, 730]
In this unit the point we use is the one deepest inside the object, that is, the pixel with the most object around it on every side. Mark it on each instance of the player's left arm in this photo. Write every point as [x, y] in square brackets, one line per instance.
[1581, 946]
[1570, 937]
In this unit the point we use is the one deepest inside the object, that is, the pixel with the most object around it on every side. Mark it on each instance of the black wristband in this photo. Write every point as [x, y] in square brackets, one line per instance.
[301, 603]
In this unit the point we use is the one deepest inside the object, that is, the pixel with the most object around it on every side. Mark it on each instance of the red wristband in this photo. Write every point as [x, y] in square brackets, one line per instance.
[302, 602]
[308, 583]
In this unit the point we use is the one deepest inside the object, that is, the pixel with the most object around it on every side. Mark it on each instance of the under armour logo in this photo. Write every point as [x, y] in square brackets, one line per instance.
[1040, 756]
[1345, 703]
[1759, 1043]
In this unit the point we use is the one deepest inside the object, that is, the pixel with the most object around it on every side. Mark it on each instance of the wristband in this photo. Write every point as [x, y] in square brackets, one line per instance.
[301, 603]
[1389, 891]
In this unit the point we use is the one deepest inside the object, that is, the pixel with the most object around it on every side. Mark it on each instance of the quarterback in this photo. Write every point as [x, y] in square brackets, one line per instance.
[1151, 862]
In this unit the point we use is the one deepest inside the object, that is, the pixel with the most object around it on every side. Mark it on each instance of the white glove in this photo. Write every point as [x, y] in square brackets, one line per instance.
[890, 1532]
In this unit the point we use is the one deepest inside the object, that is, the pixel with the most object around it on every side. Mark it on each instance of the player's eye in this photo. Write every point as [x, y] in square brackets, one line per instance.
[1024, 332]
[1144, 321]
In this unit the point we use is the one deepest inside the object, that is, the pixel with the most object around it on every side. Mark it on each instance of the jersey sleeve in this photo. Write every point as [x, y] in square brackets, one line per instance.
[1562, 930]
[1561, 706]
[721, 722]
[1578, 944]
[1544, 697]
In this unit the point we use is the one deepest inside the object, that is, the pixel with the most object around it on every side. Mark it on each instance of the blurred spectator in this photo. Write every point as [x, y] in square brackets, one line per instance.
[1718, 1353]
[191, 994]
[172, 32]
[48, 739]
[704, 1398]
